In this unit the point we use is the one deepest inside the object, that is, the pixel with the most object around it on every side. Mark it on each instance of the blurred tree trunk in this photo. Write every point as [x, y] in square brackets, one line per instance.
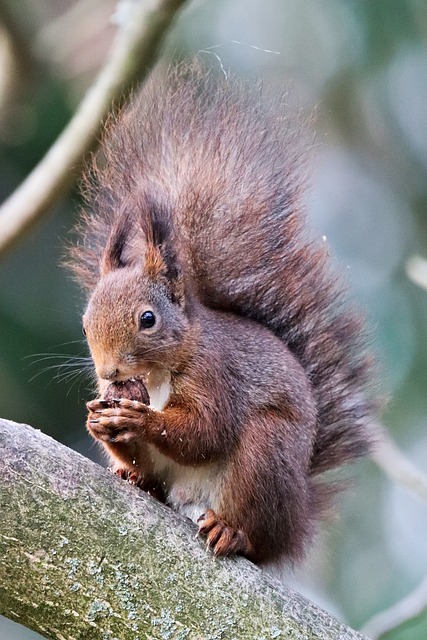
[85, 555]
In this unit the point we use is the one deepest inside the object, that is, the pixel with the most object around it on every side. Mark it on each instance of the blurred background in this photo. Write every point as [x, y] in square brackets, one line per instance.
[362, 66]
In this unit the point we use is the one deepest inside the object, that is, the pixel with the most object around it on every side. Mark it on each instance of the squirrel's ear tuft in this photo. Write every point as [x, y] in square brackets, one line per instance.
[113, 256]
[159, 268]
[161, 259]
[154, 266]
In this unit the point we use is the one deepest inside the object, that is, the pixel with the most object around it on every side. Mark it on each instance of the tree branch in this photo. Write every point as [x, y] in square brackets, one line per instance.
[83, 553]
[393, 462]
[416, 270]
[399, 469]
[133, 52]
[409, 608]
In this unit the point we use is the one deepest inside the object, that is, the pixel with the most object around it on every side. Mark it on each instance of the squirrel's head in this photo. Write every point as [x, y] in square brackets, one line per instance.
[137, 318]
[134, 324]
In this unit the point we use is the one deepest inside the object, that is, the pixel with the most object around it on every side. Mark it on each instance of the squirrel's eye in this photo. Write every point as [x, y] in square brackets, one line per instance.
[147, 320]
[83, 330]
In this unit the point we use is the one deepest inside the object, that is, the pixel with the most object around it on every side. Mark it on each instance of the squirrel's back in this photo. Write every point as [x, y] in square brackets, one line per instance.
[227, 164]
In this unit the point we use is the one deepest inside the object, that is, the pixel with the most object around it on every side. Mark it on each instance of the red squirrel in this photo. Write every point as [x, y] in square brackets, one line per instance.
[204, 287]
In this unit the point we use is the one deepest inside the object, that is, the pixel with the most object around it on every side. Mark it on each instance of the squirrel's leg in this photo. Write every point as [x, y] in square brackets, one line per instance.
[265, 506]
[130, 458]
[267, 489]
[181, 432]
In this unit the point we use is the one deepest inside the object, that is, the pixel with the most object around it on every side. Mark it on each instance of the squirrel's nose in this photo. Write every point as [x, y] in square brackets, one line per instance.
[108, 374]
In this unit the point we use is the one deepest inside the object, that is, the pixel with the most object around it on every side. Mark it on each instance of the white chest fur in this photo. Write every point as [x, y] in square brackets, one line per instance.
[190, 490]
[158, 384]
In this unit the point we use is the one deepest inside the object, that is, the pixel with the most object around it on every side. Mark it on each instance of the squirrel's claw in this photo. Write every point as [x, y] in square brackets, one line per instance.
[221, 538]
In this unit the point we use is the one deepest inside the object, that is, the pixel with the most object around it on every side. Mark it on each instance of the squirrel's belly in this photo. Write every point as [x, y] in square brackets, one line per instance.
[189, 490]
[194, 490]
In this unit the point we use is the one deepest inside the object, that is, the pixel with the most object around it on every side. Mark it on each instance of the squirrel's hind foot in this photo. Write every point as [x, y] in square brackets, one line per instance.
[223, 539]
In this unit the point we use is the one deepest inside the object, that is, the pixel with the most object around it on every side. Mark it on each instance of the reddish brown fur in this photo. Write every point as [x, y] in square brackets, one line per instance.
[197, 209]
[253, 412]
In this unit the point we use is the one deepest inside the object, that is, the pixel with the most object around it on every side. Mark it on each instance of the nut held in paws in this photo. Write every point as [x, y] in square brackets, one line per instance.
[132, 389]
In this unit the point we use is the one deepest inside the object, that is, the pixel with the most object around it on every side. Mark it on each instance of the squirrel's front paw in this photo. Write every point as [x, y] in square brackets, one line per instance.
[117, 421]
[221, 538]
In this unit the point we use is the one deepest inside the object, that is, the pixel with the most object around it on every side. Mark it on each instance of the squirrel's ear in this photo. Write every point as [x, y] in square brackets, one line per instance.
[113, 256]
[161, 257]
[161, 266]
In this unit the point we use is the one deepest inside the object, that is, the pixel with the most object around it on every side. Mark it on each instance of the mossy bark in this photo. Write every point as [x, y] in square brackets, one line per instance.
[85, 555]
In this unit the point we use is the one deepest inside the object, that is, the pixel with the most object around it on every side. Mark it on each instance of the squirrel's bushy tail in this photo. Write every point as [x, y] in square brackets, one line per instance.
[229, 163]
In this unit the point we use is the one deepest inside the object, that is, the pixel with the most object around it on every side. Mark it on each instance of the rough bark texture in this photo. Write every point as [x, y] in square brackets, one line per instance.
[84, 555]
